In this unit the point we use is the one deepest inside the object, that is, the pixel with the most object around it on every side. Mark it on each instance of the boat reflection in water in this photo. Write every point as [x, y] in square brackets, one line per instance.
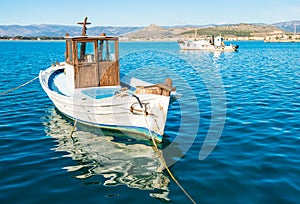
[129, 163]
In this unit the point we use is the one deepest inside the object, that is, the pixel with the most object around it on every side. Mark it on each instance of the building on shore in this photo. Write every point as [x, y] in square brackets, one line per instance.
[280, 36]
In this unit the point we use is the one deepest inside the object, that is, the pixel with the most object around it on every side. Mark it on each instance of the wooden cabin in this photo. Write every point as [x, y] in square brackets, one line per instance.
[93, 63]
[93, 60]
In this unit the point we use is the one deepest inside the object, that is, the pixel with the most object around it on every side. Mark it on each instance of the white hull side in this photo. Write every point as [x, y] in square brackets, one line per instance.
[199, 45]
[112, 112]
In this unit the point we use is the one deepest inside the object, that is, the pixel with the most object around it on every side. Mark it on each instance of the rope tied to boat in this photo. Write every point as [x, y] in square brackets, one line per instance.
[161, 155]
[76, 119]
[13, 89]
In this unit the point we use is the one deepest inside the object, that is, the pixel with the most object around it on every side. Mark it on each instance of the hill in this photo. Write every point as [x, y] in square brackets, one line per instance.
[235, 30]
[151, 31]
[239, 30]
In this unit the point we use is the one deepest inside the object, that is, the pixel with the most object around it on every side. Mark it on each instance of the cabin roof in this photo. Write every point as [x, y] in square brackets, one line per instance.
[87, 38]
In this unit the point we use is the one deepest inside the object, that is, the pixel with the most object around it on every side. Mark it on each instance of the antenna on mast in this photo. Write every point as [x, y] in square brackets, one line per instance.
[83, 33]
[84, 23]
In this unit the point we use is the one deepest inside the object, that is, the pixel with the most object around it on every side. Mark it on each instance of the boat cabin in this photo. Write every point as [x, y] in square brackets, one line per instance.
[92, 61]
[219, 41]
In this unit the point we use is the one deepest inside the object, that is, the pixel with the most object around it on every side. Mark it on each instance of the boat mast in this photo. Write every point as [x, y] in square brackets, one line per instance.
[195, 33]
[84, 23]
[83, 33]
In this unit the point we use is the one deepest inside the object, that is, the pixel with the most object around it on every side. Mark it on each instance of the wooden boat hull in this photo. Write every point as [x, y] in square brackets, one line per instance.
[113, 110]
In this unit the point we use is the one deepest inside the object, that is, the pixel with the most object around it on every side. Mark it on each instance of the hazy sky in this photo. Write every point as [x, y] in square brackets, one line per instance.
[145, 12]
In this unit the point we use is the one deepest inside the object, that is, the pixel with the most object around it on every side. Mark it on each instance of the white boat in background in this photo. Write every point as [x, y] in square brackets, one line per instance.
[212, 44]
[87, 88]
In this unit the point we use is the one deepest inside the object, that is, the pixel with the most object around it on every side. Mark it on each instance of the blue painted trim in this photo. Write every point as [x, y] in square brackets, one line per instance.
[51, 84]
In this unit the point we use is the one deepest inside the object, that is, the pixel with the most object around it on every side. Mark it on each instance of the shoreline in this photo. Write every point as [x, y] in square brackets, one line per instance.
[163, 40]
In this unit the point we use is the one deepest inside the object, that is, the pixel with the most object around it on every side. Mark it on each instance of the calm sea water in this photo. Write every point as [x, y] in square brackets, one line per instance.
[232, 137]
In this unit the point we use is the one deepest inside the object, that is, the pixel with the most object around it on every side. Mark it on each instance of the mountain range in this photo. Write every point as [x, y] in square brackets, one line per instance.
[288, 26]
[60, 30]
[127, 31]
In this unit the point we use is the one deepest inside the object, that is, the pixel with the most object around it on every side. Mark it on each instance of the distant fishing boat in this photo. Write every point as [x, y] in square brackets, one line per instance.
[212, 44]
[87, 88]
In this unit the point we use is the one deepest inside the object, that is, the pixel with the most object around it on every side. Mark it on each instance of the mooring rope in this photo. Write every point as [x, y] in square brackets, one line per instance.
[74, 127]
[13, 89]
[76, 118]
[162, 157]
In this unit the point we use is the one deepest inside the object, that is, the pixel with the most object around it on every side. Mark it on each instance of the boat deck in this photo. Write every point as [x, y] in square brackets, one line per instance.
[57, 83]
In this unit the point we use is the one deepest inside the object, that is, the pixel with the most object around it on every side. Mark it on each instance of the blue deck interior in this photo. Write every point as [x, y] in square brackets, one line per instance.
[99, 93]
[51, 83]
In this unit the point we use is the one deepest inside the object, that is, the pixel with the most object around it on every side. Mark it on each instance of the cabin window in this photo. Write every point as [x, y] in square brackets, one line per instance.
[105, 51]
[86, 52]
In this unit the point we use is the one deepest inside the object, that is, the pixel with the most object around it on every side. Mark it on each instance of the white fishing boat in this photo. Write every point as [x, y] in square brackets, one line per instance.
[212, 44]
[87, 89]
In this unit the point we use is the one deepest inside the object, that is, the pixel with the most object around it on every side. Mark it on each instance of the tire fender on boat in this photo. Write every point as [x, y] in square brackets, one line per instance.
[136, 109]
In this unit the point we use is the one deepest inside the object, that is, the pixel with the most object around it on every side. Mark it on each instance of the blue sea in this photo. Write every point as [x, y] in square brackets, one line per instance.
[232, 135]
